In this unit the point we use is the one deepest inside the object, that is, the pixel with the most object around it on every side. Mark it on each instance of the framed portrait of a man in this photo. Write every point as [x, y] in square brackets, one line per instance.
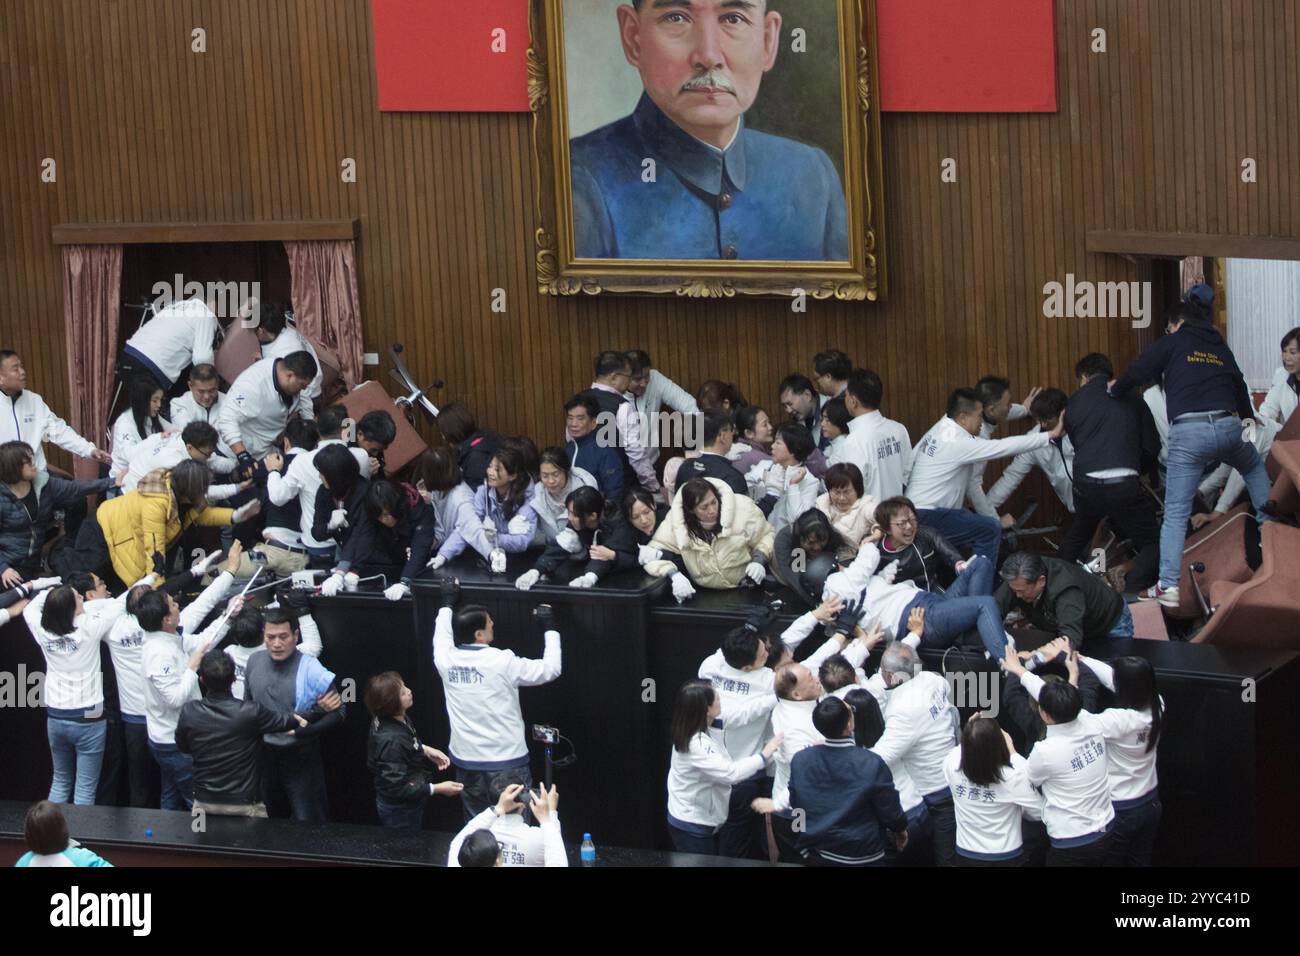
[707, 147]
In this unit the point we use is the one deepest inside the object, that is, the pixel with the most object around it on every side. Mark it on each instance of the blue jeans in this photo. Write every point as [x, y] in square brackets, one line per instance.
[975, 580]
[1134, 836]
[950, 615]
[1193, 447]
[400, 816]
[77, 751]
[176, 771]
[959, 526]
[1123, 629]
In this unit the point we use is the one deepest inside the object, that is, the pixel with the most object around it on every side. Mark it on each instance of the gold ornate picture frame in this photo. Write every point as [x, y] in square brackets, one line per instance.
[678, 165]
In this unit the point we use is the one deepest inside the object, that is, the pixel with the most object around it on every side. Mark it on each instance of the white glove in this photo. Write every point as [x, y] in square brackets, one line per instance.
[204, 565]
[683, 589]
[396, 591]
[645, 554]
[40, 584]
[755, 572]
[518, 525]
[338, 519]
[332, 585]
[889, 572]
[350, 581]
[586, 581]
[436, 562]
[527, 579]
[1248, 427]
[498, 560]
[568, 540]
[244, 512]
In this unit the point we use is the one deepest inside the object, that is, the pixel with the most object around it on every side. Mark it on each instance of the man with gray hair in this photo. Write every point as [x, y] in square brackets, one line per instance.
[1062, 598]
[920, 731]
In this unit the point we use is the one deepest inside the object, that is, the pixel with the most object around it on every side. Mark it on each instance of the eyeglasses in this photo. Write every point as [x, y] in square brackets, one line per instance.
[903, 523]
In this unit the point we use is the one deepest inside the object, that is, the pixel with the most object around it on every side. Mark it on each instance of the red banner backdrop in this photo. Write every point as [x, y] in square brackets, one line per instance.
[936, 56]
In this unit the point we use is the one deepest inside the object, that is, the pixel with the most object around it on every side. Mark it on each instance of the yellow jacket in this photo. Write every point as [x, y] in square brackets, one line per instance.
[145, 521]
[720, 563]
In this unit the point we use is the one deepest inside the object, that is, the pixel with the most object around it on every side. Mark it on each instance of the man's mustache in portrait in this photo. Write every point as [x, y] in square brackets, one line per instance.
[709, 81]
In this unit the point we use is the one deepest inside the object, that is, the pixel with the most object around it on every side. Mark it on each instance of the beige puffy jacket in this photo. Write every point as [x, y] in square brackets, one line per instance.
[719, 564]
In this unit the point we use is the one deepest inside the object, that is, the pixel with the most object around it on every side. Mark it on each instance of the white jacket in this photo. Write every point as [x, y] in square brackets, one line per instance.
[184, 409]
[28, 419]
[700, 781]
[975, 492]
[255, 411]
[1155, 399]
[290, 340]
[1280, 401]
[481, 684]
[302, 480]
[74, 680]
[1069, 766]
[180, 335]
[743, 729]
[943, 462]
[882, 450]
[548, 838]
[884, 602]
[988, 818]
[126, 646]
[794, 719]
[1057, 464]
[1131, 769]
[168, 451]
[126, 438]
[920, 730]
[793, 499]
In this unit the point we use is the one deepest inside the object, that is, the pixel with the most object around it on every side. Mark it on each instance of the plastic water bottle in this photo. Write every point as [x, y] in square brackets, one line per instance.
[587, 852]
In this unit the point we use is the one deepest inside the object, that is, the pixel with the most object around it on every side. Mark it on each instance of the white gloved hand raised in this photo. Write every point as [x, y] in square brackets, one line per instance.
[645, 554]
[683, 589]
[527, 579]
[498, 561]
[204, 565]
[518, 525]
[338, 519]
[395, 592]
[586, 581]
[755, 572]
[244, 512]
[569, 541]
[332, 585]
[436, 562]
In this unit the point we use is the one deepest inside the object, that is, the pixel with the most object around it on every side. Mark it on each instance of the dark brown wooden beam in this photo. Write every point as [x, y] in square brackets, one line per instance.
[127, 233]
[1179, 244]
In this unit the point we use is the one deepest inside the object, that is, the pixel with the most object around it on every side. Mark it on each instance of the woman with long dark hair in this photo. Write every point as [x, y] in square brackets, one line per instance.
[1132, 731]
[595, 541]
[502, 506]
[142, 419]
[721, 537]
[701, 773]
[991, 795]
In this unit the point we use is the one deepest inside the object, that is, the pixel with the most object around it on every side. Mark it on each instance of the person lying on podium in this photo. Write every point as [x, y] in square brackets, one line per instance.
[596, 542]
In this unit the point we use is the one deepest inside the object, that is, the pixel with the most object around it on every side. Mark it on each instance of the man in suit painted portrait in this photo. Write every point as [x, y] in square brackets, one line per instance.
[719, 190]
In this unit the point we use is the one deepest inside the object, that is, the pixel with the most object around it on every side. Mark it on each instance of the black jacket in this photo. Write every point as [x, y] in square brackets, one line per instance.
[1199, 371]
[396, 758]
[376, 544]
[614, 533]
[929, 561]
[476, 452]
[355, 505]
[22, 533]
[224, 735]
[1020, 716]
[1109, 433]
[709, 465]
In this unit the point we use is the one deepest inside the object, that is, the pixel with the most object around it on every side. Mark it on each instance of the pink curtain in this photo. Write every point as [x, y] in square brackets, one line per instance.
[325, 302]
[92, 279]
